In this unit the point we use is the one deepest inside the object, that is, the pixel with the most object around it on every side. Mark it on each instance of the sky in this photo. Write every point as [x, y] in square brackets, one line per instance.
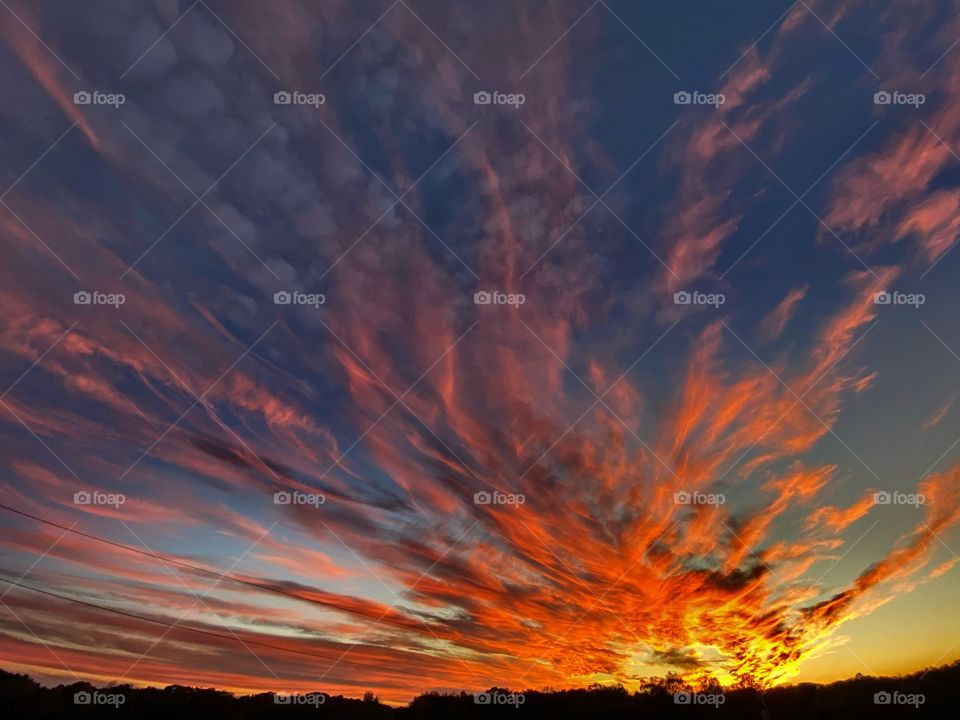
[422, 345]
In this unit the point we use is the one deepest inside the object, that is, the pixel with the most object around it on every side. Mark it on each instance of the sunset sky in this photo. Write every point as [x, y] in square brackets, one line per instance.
[813, 175]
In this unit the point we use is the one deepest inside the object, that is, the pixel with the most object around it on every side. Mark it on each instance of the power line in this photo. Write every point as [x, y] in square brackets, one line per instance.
[155, 621]
[196, 568]
[180, 563]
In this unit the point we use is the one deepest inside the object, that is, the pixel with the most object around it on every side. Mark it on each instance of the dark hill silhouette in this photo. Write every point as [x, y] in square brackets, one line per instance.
[927, 694]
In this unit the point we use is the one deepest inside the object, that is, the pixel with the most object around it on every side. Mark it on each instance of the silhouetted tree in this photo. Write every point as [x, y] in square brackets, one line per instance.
[23, 698]
[709, 684]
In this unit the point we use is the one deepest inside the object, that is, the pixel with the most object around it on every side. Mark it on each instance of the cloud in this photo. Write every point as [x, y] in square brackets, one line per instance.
[775, 322]
[936, 418]
[400, 399]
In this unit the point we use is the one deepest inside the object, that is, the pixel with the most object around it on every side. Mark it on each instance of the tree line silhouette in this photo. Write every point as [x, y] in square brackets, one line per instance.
[931, 693]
